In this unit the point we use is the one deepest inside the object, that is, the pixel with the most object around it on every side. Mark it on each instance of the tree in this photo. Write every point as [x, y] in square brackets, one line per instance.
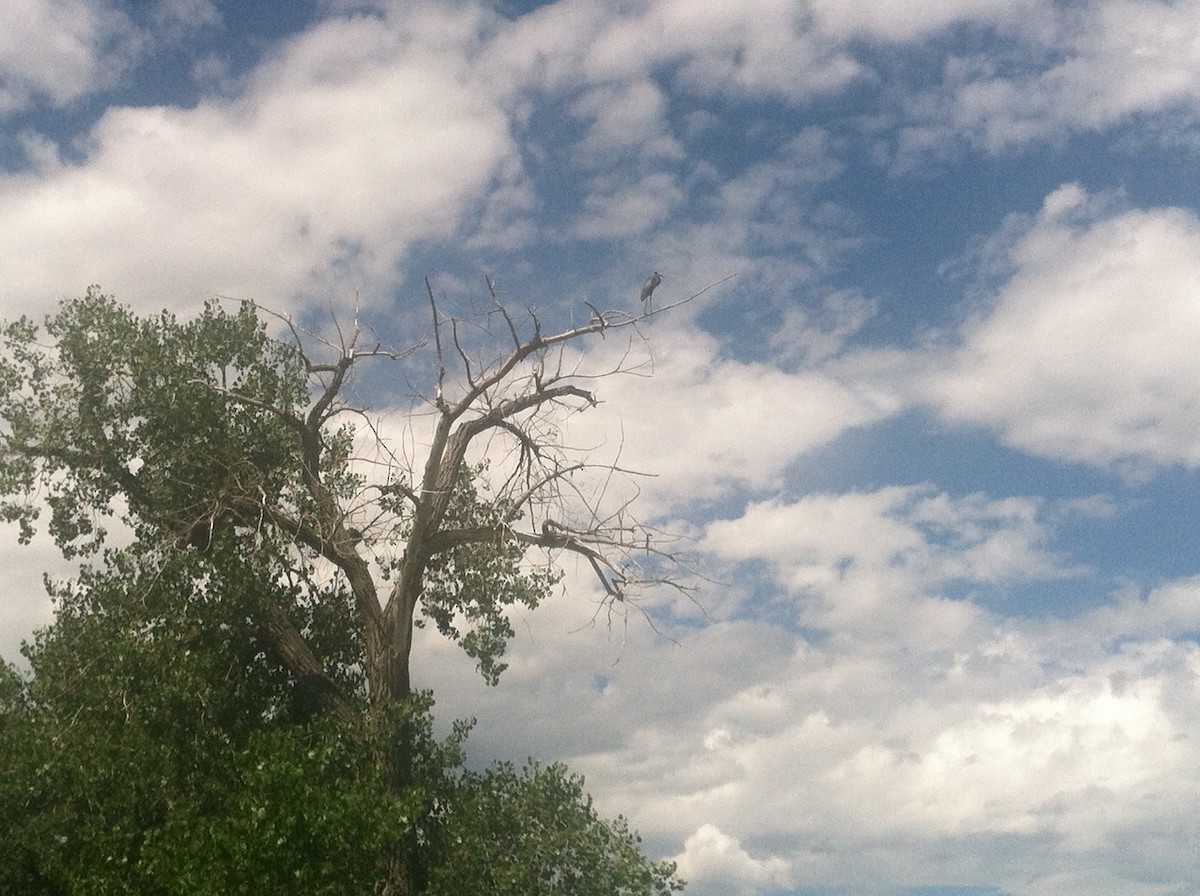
[227, 454]
[511, 833]
[152, 751]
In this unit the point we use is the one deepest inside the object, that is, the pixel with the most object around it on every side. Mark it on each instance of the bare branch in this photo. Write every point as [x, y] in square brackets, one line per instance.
[597, 317]
[690, 298]
[439, 393]
[499, 306]
[518, 395]
[523, 499]
[461, 351]
[317, 414]
[553, 537]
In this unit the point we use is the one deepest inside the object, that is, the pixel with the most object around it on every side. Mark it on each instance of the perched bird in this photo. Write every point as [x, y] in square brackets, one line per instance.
[650, 285]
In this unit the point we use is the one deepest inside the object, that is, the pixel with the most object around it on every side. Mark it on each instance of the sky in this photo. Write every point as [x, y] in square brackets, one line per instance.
[935, 445]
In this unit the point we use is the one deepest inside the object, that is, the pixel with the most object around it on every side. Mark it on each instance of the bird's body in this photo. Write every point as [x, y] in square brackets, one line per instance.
[650, 285]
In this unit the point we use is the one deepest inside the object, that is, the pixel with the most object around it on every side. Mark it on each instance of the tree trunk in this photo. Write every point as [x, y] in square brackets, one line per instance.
[293, 651]
[397, 874]
[396, 750]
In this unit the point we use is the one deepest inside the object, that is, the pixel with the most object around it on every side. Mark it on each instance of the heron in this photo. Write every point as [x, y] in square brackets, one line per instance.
[650, 285]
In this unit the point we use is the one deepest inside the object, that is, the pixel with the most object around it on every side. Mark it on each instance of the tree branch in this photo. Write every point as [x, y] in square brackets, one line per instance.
[286, 416]
[439, 387]
[552, 537]
[294, 653]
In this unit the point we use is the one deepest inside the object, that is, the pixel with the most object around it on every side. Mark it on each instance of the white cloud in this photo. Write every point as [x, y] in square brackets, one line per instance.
[617, 208]
[1159, 614]
[354, 142]
[1169, 610]
[754, 48]
[704, 423]
[56, 52]
[899, 20]
[715, 862]
[771, 205]
[1132, 56]
[176, 17]
[1027, 763]
[806, 336]
[852, 562]
[1082, 67]
[768, 240]
[626, 118]
[613, 70]
[189, 202]
[864, 765]
[939, 742]
[60, 50]
[854, 716]
[1087, 353]
[1072, 67]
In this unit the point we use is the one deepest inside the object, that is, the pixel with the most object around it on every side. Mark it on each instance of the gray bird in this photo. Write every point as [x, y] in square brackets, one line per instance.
[650, 285]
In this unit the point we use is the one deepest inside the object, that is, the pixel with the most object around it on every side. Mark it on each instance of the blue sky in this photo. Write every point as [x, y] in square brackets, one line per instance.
[937, 439]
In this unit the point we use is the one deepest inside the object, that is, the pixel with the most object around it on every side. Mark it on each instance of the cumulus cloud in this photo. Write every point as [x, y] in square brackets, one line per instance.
[897, 20]
[705, 422]
[624, 118]
[806, 337]
[715, 862]
[978, 757]
[1071, 67]
[751, 48]
[350, 145]
[926, 747]
[59, 50]
[861, 706]
[852, 561]
[1156, 614]
[767, 236]
[761, 47]
[606, 73]
[1077, 68]
[178, 17]
[1168, 610]
[1086, 353]
[617, 208]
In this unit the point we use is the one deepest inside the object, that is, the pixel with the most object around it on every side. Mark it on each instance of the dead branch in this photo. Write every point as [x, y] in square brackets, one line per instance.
[521, 395]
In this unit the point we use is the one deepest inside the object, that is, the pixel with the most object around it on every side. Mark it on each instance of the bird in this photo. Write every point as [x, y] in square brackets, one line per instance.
[650, 285]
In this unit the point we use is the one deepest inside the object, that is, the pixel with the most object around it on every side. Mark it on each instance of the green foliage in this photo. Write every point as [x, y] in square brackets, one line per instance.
[142, 758]
[180, 428]
[134, 407]
[157, 747]
[510, 833]
[295, 811]
[471, 586]
[168, 739]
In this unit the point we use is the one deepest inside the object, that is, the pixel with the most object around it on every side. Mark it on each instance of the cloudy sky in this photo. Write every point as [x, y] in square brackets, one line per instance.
[938, 440]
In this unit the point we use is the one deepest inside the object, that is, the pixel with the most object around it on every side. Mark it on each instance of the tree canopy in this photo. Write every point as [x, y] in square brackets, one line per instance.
[225, 692]
[155, 749]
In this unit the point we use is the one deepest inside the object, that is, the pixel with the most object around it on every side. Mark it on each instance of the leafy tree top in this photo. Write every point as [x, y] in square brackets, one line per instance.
[222, 461]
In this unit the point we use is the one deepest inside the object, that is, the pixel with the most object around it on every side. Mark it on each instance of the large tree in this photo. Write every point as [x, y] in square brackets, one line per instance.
[153, 748]
[219, 453]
